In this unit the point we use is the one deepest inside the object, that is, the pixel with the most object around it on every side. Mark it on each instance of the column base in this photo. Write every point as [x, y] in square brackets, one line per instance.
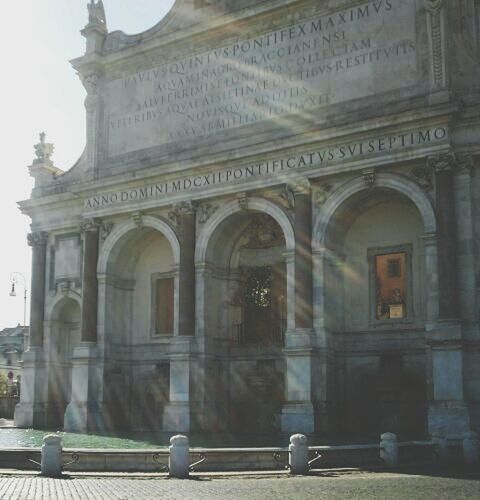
[448, 419]
[30, 415]
[81, 417]
[176, 417]
[298, 418]
[81, 413]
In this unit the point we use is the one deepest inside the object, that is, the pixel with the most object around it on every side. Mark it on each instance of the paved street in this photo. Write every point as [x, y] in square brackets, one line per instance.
[329, 485]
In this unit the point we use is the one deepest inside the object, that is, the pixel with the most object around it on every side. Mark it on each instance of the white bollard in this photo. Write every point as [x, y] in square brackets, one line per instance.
[470, 448]
[51, 465]
[441, 445]
[178, 461]
[389, 449]
[298, 454]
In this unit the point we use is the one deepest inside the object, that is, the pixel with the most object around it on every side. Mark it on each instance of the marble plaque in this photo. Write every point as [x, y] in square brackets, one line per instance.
[352, 53]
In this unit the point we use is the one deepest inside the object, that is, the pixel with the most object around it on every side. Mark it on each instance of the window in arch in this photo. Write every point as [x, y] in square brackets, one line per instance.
[163, 305]
[391, 278]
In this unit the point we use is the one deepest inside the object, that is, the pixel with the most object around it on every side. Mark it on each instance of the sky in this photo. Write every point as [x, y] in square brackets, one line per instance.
[40, 92]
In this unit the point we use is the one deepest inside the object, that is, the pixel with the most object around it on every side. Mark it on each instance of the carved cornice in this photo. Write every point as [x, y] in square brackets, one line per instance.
[36, 239]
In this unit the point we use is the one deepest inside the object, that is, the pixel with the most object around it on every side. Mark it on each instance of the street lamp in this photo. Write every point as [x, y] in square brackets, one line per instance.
[20, 278]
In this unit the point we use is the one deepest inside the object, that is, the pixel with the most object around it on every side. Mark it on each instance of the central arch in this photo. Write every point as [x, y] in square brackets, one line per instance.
[245, 276]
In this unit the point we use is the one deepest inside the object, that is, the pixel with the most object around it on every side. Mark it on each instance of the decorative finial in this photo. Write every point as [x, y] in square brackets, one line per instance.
[96, 13]
[43, 150]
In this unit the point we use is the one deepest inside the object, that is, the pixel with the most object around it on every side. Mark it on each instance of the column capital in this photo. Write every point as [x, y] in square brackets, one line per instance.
[180, 210]
[299, 186]
[89, 225]
[38, 238]
[442, 162]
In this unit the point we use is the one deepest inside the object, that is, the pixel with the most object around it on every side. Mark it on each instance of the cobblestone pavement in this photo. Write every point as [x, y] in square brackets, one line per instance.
[327, 485]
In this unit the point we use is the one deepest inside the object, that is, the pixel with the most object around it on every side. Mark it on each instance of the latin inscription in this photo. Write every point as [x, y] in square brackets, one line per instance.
[351, 54]
[276, 167]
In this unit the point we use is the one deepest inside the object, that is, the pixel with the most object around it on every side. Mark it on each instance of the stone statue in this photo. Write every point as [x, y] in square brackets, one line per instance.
[43, 150]
[96, 13]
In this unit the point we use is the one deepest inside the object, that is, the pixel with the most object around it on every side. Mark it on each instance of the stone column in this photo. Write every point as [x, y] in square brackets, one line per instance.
[448, 411]
[38, 242]
[297, 414]
[186, 228]
[447, 236]
[89, 281]
[303, 256]
[30, 411]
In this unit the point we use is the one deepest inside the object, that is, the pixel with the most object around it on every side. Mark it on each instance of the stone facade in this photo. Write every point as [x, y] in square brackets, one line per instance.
[274, 226]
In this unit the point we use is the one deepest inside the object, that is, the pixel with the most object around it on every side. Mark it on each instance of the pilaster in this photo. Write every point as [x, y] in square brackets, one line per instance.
[185, 214]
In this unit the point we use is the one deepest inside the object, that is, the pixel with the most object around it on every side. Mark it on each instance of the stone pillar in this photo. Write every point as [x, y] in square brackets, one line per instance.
[297, 414]
[82, 411]
[303, 256]
[51, 463]
[38, 242]
[176, 417]
[447, 237]
[89, 282]
[186, 228]
[30, 412]
[298, 454]
[448, 411]
[178, 461]
[389, 449]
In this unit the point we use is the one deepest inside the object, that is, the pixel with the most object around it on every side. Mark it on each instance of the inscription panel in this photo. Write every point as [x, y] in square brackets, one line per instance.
[277, 169]
[352, 53]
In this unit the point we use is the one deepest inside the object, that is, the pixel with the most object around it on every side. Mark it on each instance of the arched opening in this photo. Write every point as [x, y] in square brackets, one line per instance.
[245, 322]
[374, 281]
[140, 317]
[65, 335]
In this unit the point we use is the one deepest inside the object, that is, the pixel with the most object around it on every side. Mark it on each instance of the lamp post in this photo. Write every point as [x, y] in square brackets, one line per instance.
[14, 279]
